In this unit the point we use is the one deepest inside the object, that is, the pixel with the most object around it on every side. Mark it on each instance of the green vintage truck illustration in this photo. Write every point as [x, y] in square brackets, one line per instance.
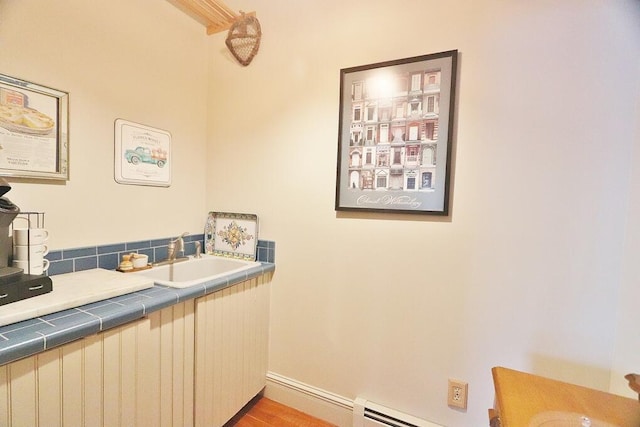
[146, 155]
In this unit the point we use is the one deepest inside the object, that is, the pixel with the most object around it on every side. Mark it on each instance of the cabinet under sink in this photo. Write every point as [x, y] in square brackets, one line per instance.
[192, 364]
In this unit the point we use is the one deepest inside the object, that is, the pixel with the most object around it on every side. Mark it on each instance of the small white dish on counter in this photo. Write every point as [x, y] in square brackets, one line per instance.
[140, 260]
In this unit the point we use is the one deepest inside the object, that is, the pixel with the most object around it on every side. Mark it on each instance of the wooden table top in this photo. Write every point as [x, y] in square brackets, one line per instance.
[521, 396]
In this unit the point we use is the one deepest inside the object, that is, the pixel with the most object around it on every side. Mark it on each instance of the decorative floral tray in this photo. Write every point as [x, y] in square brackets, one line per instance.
[233, 235]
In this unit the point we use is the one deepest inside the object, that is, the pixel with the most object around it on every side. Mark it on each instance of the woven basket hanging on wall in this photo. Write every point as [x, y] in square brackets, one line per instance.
[243, 38]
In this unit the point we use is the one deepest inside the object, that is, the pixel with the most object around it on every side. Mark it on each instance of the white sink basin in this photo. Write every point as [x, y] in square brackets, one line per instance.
[196, 270]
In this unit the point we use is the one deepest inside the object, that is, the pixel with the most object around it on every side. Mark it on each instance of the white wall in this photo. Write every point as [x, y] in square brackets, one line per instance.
[525, 273]
[140, 60]
[627, 348]
[536, 266]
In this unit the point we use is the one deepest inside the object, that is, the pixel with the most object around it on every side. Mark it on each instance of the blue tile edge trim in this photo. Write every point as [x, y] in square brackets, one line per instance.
[33, 336]
[109, 256]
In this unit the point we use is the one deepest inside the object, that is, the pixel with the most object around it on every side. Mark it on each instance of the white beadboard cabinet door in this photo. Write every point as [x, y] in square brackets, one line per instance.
[232, 334]
[138, 374]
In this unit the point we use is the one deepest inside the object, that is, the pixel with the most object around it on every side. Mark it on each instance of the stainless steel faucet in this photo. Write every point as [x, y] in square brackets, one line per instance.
[175, 247]
[175, 251]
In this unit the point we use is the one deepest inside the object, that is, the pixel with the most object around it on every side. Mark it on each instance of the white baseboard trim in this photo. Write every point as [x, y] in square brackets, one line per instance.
[316, 402]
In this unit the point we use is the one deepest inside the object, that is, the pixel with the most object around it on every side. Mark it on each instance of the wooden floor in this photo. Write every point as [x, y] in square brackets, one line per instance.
[263, 412]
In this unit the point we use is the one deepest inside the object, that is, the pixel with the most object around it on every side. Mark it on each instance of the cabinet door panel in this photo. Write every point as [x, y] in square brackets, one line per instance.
[23, 395]
[138, 374]
[148, 374]
[93, 382]
[231, 350]
[4, 396]
[112, 385]
[167, 374]
[182, 346]
[128, 374]
[72, 387]
[49, 365]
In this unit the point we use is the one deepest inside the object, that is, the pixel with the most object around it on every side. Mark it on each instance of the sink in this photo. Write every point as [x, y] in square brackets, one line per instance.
[565, 419]
[196, 270]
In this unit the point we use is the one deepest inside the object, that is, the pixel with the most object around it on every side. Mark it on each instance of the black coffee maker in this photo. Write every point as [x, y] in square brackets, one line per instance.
[14, 284]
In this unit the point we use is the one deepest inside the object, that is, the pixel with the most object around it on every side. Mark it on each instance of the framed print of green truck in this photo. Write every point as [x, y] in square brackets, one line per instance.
[142, 154]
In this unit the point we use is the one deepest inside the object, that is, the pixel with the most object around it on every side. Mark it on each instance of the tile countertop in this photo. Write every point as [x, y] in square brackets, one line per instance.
[36, 335]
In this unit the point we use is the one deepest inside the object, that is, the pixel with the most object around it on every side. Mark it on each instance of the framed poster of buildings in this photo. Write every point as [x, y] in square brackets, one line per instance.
[34, 123]
[394, 142]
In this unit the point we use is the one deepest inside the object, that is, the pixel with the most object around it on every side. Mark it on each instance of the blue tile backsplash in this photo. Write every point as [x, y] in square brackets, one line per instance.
[109, 256]
[266, 251]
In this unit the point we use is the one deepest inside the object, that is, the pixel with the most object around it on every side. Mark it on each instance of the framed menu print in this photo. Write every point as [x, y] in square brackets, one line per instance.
[34, 133]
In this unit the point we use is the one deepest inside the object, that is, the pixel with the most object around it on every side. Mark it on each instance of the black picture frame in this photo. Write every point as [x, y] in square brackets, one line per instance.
[395, 135]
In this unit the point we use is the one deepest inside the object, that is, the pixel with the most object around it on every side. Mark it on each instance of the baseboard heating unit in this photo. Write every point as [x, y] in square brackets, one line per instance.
[369, 414]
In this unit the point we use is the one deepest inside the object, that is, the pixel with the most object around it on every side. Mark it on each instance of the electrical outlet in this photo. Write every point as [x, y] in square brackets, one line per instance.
[457, 396]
